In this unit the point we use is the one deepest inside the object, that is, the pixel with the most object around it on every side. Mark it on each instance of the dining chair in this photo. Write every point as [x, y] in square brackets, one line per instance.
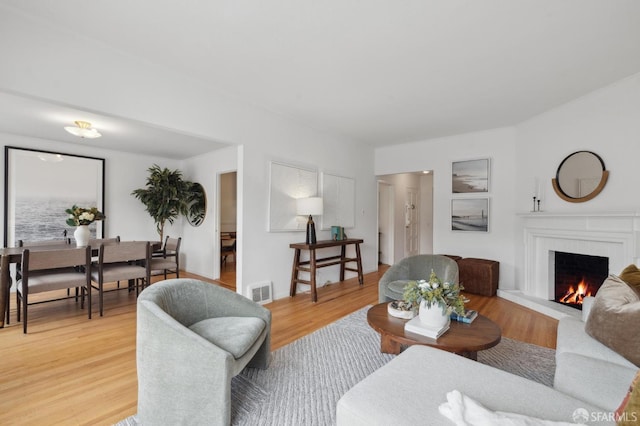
[55, 269]
[44, 244]
[95, 242]
[158, 251]
[227, 247]
[126, 260]
[168, 259]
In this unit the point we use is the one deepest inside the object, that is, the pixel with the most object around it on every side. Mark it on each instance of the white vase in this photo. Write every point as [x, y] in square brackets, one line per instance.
[82, 235]
[432, 316]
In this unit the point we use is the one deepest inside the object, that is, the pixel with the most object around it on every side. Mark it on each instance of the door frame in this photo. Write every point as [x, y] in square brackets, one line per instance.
[217, 232]
[414, 224]
[388, 227]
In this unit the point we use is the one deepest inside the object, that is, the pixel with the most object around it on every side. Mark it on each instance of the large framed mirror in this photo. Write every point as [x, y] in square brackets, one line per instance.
[580, 177]
[197, 205]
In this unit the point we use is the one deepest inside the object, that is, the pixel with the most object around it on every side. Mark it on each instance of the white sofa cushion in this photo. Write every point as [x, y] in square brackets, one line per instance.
[572, 338]
[600, 383]
[587, 369]
[409, 389]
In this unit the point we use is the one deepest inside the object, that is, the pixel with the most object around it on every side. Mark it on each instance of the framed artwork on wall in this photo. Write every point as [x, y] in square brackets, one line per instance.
[470, 214]
[287, 184]
[40, 185]
[339, 199]
[470, 176]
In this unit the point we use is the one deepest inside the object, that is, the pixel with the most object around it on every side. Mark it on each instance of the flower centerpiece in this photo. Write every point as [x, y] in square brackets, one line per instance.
[435, 293]
[81, 218]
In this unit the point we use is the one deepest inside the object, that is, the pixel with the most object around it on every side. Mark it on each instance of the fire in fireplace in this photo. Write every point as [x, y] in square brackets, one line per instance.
[578, 276]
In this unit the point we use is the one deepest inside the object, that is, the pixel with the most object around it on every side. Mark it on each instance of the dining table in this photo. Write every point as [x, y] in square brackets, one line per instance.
[9, 255]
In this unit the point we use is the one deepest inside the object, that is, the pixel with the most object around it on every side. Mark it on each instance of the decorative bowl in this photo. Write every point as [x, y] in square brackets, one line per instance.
[400, 309]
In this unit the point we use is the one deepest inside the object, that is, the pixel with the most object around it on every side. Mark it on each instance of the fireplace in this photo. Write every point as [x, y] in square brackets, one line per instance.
[577, 276]
[615, 236]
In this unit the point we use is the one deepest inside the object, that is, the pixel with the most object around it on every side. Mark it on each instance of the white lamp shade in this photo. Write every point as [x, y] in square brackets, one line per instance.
[309, 206]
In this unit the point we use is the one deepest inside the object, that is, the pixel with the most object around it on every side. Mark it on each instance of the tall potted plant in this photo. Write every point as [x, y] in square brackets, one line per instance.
[166, 196]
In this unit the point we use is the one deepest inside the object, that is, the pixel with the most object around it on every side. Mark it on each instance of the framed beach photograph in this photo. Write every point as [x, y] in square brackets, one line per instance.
[470, 176]
[470, 214]
[40, 185]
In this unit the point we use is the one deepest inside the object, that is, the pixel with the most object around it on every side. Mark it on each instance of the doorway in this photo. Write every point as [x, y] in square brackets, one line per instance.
[411, 224]
[385, 223]
[228, 227]
[405, 215]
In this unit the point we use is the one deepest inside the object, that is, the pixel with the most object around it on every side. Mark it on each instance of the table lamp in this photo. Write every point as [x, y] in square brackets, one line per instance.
[309, 206]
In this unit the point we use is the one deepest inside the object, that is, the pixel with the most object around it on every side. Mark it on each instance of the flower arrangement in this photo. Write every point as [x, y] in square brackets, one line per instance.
[81, 216]
[434, 292]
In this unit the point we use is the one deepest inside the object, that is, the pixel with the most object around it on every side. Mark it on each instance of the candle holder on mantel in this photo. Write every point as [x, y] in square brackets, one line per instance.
[536, 205]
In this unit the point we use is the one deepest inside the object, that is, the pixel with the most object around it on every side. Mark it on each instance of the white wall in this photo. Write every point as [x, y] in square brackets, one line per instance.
[606, 121]
[437, 155]
[200, 246]
[426, 213]
[266, 255]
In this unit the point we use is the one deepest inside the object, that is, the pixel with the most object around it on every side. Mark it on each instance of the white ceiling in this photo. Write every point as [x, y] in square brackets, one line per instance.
[20, 115]
[378, 71]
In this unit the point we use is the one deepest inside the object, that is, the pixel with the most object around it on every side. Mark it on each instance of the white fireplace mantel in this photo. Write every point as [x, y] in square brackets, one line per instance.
[615, 235]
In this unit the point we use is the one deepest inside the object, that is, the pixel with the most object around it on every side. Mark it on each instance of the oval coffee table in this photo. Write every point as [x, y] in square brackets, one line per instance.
[461, 338]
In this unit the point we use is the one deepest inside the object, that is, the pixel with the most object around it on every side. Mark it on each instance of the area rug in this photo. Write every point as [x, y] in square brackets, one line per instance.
[307, 377]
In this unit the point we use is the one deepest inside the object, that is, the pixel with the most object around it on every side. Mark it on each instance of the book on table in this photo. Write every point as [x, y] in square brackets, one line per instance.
[337, 233]
[467, 318]
[416, 326]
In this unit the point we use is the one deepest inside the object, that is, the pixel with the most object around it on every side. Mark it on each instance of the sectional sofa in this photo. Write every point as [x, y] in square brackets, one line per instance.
[591, 379]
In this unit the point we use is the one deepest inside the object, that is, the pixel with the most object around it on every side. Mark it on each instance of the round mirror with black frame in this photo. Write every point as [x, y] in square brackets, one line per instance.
[196, 205]
[580, 177]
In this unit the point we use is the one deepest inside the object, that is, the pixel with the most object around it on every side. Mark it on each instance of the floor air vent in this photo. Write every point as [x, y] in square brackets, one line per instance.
[260, 292]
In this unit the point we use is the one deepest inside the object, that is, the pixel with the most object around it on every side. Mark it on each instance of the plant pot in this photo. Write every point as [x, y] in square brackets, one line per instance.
[433, 317]
[82, 235]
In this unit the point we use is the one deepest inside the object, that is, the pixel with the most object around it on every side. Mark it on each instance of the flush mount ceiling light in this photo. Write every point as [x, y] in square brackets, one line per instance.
[83, 129]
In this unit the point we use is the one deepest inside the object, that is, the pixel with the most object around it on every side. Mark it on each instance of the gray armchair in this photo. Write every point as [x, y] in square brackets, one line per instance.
[192, 338]
[391, 285]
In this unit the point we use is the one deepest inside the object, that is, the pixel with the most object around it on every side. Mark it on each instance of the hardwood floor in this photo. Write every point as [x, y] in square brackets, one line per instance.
[74, 371]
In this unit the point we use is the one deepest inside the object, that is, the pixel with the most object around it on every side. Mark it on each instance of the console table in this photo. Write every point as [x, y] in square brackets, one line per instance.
[314, 263]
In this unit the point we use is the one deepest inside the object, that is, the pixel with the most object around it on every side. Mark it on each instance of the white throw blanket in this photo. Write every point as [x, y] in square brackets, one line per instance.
[464, 411]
